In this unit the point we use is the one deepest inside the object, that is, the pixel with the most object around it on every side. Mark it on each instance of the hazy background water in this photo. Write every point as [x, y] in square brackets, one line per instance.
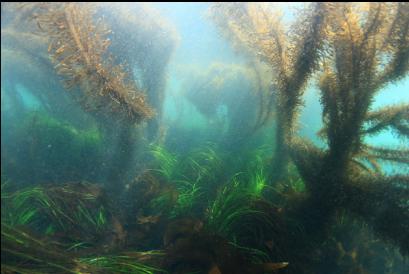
[200, 46]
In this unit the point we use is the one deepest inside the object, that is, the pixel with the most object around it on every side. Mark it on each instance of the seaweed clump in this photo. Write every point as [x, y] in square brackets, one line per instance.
[190, 248]
[22, 252]
[203, 218]
[355, 50]
[369, 49]
[69, 228]
[145, 41]
[73, 212]
[72, 42]
[257, 29]
[77, 47]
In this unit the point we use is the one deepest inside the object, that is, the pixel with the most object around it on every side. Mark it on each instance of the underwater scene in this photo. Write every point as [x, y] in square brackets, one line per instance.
[214, 138]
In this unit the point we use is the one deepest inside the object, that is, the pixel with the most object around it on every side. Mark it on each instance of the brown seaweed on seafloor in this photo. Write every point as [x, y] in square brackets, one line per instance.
[189, 248]
[93, 196]
[143, 191]
[143, 223]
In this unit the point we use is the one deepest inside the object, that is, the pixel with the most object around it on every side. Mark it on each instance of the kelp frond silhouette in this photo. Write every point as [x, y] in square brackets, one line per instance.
[293, 57]
[394, 117]
[356, 49]
[369, 48]
[78, 48]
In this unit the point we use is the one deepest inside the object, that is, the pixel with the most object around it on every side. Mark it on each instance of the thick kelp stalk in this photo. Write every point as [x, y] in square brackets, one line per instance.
[293, 58]
[359, 49]
[77, 47]
[369, 48]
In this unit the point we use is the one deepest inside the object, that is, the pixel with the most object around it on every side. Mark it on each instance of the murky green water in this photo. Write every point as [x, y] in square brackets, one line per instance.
[204, 138]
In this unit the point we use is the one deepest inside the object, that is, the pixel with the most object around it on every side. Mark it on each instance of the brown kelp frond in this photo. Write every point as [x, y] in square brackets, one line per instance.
[358, 35]
[363, 167]
[368, 163]
[396, 44]
[349, 174]
[382, 201]
[365, 38]
[330, 103]
[255, 27]
[370, 158]
[304, 52]
[359, 48]
[258, 27]
[307, 157]
[394, 117]
[395, 155]
[306, 47]
[293, 57]
[144, 39]
[77, 47]
[148, 27]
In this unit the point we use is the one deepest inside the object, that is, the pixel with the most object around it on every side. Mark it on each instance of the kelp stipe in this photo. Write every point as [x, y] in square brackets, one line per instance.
[257, 29]
[378, 37]
[355, 49]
